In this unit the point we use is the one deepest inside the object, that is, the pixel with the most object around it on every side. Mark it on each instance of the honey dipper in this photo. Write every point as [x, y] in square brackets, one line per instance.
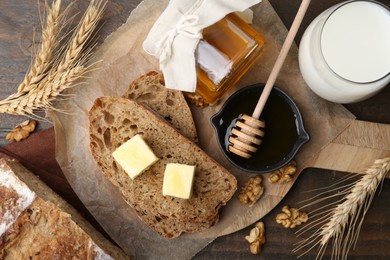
[248, 131]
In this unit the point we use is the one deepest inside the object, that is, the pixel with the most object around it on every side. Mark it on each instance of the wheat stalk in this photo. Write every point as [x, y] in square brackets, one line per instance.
[64, 70]
[341, 224]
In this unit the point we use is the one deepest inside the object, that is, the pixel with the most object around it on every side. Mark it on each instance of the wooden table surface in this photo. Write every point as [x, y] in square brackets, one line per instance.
[17, 19]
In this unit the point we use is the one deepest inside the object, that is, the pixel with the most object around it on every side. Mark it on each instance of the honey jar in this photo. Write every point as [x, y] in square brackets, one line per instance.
[225, 53]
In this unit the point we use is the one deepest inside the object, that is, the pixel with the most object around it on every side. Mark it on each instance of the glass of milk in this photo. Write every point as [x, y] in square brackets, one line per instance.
[344, 54]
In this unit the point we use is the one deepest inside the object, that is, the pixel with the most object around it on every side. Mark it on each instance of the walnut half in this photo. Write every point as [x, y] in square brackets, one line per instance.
[195, 99]
[22, 131]
[251, 191]
[284, 174]
[256, 238]
[291, 217]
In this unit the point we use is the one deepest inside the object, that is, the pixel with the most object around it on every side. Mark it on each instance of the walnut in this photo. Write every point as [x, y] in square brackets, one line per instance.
[251, 191]
[284, 174]
[22, 131]
[195, 99]
[256, 238]
[291, 217]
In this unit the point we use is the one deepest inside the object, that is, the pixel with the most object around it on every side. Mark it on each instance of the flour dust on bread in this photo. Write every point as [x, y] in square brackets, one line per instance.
[113, 121]
[150, 90]
[46, 228]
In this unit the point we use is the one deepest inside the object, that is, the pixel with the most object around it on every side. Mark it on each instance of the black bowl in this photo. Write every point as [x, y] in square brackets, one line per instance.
[284, 131]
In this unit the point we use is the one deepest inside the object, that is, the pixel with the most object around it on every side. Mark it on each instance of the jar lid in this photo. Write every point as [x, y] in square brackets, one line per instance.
[355, 41]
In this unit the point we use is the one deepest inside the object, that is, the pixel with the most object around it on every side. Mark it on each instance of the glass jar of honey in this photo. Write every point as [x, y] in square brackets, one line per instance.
[226, 52]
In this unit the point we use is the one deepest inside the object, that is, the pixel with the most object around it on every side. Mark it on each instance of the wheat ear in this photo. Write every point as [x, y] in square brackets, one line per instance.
[44, 96]
[63, 72]
[45, 55]
[81, 36]
[341, 224]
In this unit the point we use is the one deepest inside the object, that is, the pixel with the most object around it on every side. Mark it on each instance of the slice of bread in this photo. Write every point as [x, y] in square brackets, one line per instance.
[114, 120]
[46, 227]
[150, 90]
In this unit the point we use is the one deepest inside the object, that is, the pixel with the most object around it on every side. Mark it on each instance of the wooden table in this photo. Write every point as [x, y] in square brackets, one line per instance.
[17, 19]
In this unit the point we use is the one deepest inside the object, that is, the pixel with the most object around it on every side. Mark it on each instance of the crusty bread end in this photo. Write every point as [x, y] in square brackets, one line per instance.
[150, 90]
[35, 226]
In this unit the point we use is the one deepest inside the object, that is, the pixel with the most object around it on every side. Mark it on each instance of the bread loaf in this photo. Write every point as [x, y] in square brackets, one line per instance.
[113, 121]
[150, 90]
[35, 223]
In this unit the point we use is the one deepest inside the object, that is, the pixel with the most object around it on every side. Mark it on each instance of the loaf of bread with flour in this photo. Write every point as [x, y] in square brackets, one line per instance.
[150, 90]
[113, 121]
[35, 223]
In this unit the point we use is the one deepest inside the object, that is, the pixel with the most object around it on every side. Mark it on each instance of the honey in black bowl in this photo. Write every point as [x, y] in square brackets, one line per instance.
[284, 131]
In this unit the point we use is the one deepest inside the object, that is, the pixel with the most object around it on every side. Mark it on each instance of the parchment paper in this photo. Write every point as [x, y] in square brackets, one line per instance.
[123, 60]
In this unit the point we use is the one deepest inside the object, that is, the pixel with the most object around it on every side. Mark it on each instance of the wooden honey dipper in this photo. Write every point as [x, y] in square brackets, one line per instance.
[248, 131]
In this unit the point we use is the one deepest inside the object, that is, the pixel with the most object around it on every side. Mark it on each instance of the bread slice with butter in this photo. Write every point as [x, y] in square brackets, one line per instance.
[35, 223]
[150, 90]
[213, 185]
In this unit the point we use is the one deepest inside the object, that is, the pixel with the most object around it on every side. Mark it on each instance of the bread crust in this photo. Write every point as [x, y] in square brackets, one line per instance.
[114, 120]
